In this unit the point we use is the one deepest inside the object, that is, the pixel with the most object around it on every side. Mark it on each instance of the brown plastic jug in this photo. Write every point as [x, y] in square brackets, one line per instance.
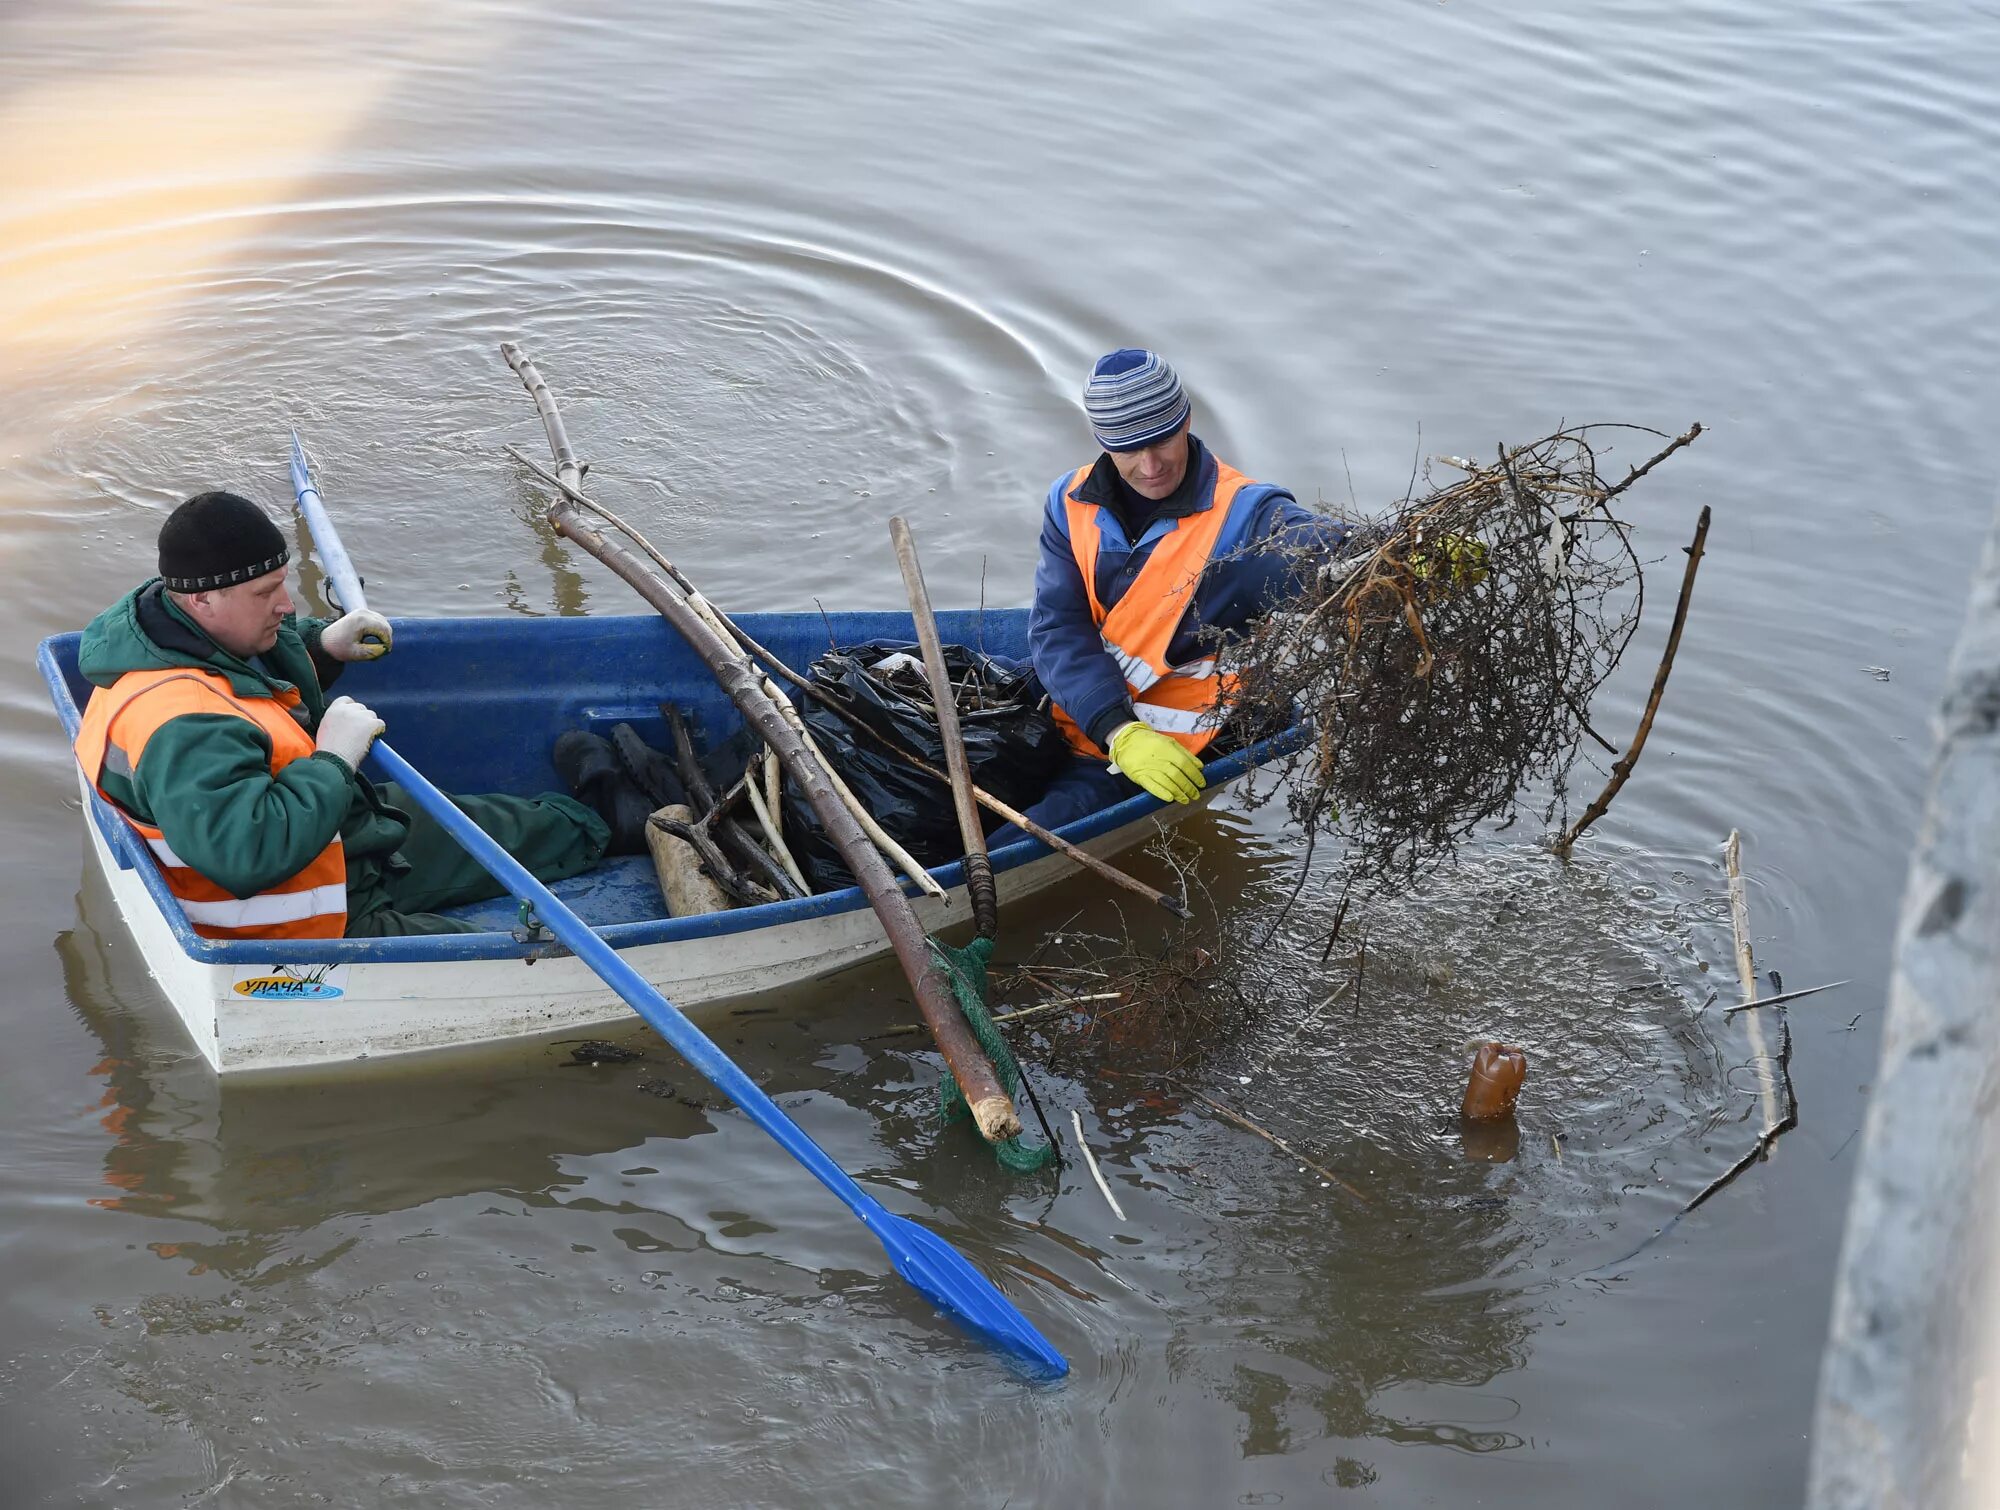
[1497, 1073]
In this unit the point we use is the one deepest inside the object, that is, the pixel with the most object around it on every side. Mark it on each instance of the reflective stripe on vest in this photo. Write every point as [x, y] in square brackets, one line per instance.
[1140, 626]
[269, 907]
[117, 723]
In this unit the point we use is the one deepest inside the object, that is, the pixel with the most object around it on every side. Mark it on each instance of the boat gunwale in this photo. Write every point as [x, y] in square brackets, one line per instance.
[443, 948]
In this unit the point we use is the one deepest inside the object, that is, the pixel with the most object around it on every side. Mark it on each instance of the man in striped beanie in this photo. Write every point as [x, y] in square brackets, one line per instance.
[1146, 554]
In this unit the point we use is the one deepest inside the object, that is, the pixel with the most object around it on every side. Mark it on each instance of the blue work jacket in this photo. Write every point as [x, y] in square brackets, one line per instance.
[1063, 636]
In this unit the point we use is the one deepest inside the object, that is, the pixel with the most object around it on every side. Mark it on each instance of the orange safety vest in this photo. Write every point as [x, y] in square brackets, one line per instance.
[118, 721]
[1177, 700]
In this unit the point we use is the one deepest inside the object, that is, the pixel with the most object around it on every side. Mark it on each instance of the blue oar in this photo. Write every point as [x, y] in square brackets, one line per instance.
[332, 554]
[943, 1274]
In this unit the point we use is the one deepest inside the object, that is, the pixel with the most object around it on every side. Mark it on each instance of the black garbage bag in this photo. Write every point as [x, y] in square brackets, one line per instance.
[1011, 743]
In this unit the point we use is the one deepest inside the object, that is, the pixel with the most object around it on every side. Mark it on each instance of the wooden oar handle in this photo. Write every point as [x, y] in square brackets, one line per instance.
[978, 871]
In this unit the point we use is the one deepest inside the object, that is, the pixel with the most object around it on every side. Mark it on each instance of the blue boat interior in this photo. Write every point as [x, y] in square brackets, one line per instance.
[476, 705]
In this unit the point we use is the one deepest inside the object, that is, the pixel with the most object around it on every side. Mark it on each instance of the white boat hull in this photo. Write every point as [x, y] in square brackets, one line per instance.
[362, 1011]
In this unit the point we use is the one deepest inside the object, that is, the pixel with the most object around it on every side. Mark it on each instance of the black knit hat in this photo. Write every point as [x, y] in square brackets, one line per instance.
[217, 540]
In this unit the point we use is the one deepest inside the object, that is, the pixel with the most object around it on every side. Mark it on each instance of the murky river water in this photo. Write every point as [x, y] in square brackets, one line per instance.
[796, 268]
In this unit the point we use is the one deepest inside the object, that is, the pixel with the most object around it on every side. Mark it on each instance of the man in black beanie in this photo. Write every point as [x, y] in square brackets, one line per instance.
[210, 731]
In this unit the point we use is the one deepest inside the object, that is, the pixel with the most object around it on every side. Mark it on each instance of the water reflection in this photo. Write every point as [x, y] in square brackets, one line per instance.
[1319, 1313]
[267, 1160]
[779, 314]
[566, 588]
[394, 1216]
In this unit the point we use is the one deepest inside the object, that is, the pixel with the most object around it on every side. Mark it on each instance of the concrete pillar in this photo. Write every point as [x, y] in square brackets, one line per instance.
[1909, 1395]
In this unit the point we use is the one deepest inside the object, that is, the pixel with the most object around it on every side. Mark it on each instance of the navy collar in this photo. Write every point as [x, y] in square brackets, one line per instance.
[1105, 488]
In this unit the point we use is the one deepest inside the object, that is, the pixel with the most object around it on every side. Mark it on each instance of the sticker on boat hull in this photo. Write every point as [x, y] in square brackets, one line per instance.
[294, 983]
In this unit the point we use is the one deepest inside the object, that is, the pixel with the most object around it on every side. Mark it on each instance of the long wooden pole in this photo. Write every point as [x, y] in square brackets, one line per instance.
[773, 663]
[978, 869]
[992, 1109]
[1623, 767]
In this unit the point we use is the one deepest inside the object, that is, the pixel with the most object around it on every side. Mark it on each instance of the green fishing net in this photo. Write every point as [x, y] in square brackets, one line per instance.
[966, 970]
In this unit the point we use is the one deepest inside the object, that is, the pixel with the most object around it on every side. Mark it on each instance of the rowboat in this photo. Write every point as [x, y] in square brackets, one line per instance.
[477, 704]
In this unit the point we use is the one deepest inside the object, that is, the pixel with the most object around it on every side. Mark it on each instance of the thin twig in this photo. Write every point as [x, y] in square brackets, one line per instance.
[1746, 974]
[1636, 473]
[979, 888]
[1360, 965]
[1623, 767]
[1339, 917]
[768, 820]
[1279, 1143]
[1035, 1101]
[1772, 1001]
[1034, 1011]
[1076, 1121]
[1775, 1124]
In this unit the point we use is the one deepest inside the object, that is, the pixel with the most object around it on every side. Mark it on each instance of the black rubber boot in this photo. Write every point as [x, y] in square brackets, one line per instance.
[591, 767]
[647, 766]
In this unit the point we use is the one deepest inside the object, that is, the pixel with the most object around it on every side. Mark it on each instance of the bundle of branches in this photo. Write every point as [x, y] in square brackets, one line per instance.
[1445, 670]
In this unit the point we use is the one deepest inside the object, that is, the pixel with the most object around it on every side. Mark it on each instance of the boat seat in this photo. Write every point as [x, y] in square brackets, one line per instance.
[623, 889]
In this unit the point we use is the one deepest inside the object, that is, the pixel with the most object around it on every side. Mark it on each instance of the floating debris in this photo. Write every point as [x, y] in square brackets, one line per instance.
[596, 1051]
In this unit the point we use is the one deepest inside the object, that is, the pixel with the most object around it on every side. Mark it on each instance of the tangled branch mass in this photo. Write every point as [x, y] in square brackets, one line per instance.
[1446, 675]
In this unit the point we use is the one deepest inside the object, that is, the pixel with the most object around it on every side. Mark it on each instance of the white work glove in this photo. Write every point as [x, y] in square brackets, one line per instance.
[347, 729]
[362, 635]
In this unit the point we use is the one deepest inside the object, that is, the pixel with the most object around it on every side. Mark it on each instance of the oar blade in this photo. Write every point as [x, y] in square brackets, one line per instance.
[947, 1279]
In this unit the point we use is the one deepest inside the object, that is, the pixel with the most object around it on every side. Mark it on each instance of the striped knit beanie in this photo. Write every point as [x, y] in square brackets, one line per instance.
[1134, 400]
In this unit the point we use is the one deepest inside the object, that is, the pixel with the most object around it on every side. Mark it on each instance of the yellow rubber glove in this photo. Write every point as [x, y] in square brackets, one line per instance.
[1461, 559]
[1159, 763]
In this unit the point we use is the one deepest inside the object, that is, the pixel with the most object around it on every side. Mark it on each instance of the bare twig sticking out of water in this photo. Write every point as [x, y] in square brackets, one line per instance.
[1279, 1143]
[1746, 974]
[1623, 767]
[1739, 920]
[1360, 965]
[1772, 1001]
[1076, 1121]
[1776, 1124]
[1339, 917]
